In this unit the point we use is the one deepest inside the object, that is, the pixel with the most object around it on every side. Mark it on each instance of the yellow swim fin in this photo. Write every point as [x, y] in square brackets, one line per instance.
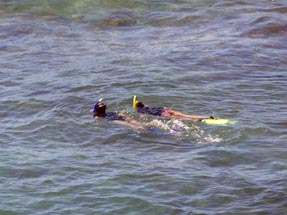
[218, 121]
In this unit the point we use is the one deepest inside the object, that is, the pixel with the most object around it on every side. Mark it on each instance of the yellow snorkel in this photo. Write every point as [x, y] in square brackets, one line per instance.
[134, 103]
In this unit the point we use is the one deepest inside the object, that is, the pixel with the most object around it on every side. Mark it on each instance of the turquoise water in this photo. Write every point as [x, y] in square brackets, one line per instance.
[220, 58]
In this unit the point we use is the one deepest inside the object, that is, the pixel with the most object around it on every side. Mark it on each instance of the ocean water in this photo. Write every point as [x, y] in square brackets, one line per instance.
[215, 57]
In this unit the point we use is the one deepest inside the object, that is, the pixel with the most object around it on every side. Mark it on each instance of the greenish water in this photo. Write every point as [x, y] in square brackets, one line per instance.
[221, 58]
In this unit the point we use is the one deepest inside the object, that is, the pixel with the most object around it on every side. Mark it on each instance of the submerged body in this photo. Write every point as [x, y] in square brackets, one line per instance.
[118, 118]
[165, 112]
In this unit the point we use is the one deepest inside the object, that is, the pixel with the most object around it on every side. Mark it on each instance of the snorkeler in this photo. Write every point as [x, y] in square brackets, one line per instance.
[164, 112]
[100, 112]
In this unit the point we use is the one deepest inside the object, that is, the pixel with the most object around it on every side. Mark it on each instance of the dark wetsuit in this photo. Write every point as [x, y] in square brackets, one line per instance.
[111, 116]
[156, 111]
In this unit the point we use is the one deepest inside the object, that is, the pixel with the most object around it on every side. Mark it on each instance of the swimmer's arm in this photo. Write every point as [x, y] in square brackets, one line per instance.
[123, 115]
[141, 116]
[129, 123]
[127, 118]
[122, 123]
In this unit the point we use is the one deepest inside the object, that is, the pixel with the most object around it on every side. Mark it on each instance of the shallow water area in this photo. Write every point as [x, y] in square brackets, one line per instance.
[220, 58]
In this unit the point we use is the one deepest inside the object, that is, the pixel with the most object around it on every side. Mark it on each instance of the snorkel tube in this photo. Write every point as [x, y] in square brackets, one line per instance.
[97, 104]
[134, 103]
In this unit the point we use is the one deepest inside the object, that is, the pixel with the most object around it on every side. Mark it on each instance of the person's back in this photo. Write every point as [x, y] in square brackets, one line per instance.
[156, 111]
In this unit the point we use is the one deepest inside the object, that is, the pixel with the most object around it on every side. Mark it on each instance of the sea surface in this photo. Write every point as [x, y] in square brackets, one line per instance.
[222, 58]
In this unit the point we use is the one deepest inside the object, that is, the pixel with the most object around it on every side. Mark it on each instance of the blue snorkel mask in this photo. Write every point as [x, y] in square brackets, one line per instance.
[97, 105]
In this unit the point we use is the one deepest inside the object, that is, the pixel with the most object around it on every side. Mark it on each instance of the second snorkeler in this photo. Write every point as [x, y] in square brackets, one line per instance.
[165, 112]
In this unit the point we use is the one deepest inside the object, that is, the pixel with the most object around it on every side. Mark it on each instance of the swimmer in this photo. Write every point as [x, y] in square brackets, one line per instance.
[118, 118]
[164, 112]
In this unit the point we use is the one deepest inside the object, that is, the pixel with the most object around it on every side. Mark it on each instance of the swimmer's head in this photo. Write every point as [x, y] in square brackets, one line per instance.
[100, 108]
[139, 105]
